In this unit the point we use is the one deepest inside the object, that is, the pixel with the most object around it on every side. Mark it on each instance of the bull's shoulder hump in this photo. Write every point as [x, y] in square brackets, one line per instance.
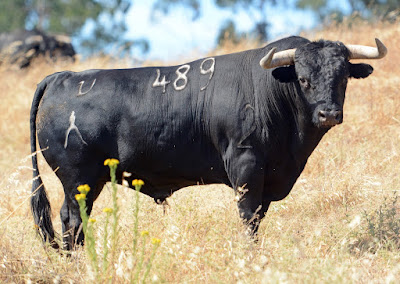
[200, 61]
[288, 42]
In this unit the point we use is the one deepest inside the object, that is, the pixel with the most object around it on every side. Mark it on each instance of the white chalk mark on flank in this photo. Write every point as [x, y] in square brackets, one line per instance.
[181, 76]
[209, 70]
[71, 127]
[163, 83]
[80, 93]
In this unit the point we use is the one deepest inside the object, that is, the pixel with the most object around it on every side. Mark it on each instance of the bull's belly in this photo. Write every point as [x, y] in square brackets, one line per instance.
[164, 176]
[162, 185]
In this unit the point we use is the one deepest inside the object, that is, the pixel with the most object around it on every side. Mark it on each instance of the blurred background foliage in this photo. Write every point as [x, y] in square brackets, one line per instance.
[98, 24]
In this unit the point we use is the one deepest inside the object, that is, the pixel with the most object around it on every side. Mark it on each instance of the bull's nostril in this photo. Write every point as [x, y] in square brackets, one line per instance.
[338, 115]
[322, 115]
[330, 117]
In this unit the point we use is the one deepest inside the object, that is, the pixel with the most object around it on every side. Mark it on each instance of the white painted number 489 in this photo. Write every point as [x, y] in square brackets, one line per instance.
[181, 73]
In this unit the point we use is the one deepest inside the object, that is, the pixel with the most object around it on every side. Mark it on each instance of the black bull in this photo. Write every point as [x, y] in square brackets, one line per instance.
[222, 119]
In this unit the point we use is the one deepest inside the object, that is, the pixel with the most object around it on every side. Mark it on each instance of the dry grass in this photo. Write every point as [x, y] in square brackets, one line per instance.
[304, 238]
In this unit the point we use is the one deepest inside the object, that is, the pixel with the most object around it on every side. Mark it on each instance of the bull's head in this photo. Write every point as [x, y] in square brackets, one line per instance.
[322, 69]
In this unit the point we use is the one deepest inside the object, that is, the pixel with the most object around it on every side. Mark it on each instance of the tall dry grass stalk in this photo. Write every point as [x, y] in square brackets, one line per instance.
[304, 238]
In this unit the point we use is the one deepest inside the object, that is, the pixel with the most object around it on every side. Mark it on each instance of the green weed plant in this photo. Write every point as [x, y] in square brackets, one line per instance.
[380, 229]
[103, 266]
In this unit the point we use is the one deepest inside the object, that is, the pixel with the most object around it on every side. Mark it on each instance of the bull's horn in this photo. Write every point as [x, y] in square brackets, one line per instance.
[281, 58]
[367, 52]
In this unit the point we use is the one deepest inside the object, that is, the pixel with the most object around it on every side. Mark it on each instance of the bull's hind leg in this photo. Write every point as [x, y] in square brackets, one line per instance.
[70, 213]
[70, 218]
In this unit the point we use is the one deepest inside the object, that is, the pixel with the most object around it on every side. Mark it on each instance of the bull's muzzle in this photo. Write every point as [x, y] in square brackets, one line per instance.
[329, 118]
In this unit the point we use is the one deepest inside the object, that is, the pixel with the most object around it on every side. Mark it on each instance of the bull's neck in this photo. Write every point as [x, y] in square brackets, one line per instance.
[306, 135]
[286, 120]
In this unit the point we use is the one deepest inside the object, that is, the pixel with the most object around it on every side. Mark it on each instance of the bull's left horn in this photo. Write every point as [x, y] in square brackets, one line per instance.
[367, 52]
[281, 58]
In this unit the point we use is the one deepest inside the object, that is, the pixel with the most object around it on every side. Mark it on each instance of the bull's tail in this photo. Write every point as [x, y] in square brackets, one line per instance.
[40, 204]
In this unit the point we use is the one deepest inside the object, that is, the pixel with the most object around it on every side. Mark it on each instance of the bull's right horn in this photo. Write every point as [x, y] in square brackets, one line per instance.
[281, 58]
[367, 52]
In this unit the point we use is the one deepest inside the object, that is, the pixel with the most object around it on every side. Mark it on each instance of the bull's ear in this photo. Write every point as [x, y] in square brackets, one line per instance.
[360, 70]
[285, 74]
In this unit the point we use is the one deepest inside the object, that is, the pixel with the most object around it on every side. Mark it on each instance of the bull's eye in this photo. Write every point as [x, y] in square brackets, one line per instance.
[304, 83]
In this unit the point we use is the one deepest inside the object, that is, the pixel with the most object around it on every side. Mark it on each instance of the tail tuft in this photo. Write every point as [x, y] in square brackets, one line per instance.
[41, 211]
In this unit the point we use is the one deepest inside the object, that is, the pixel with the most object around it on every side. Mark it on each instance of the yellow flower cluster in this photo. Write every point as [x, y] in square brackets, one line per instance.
[92, 220]
[144, 233]
[107, 210]
[137, 182]
[84, 188]
[111, 162]
[155, 241]
[80, 196]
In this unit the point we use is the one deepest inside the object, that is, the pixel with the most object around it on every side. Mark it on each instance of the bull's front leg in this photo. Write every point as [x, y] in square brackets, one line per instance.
[252, 212]
[246, 174]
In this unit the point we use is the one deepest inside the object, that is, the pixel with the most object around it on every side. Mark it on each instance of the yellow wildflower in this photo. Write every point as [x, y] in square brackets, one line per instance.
[80, 196]
[84, 188]
[111, 162]
[155, 241]
[144, 233]
[137, 182]
[92, 220]
[107, 210]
